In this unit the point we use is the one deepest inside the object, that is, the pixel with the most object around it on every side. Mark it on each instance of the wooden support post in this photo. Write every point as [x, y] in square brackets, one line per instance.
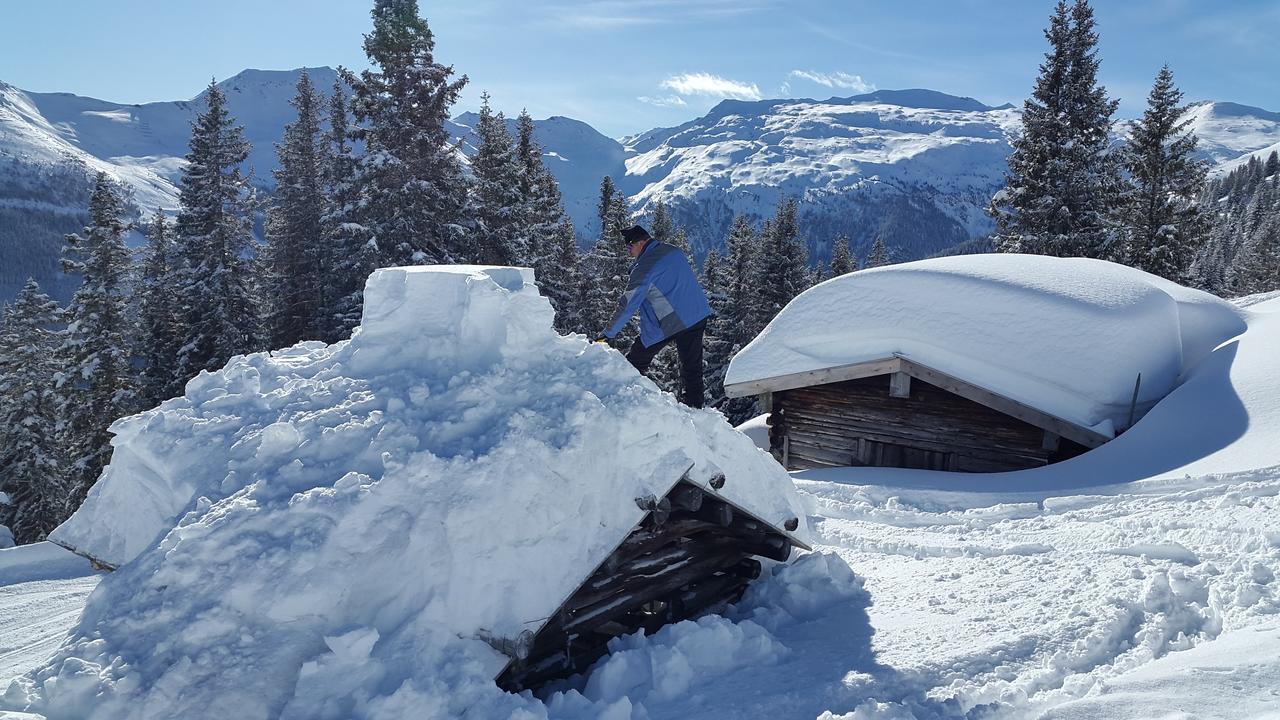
[900, 385]
[765, 401]
[1050, 441]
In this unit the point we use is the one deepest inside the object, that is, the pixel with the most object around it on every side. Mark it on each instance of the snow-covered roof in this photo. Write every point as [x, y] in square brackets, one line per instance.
[456, 467]
[1066, 336]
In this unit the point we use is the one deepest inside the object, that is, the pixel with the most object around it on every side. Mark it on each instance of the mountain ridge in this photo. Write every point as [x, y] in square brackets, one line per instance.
[915, 166]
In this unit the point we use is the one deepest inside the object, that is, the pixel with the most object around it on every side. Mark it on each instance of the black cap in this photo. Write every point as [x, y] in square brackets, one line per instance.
[634, 234]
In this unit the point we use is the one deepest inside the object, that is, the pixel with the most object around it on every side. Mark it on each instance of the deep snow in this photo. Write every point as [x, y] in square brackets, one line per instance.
[328, 530]
[1068, 336]
[1135, 581]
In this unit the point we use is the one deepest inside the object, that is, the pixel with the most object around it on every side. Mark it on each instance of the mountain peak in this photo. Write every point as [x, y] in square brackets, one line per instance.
[923, 99]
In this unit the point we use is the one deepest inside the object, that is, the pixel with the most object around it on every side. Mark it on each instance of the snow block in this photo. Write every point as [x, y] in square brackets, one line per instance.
[1067, 336]
[453, 471]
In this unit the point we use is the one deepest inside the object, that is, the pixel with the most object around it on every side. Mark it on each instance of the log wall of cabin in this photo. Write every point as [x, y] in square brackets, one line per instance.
[861, 422]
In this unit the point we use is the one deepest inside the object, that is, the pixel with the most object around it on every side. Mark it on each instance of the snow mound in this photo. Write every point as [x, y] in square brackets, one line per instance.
[322, 532]
[1068, 336]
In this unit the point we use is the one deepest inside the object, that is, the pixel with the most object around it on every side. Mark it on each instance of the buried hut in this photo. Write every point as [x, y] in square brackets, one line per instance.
[979, 363]
[455, 479]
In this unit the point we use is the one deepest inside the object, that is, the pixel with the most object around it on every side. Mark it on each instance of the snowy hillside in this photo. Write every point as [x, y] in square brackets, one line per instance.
[916, 166]
[1230, 133]
[143, 147]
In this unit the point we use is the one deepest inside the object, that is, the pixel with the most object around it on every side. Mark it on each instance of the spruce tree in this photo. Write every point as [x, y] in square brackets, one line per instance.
[1162, 223]
[780, 269]
[158, 314]
[298, 264]
[662, 227]
[221, 315]
[97, 381]
[561, 281]
[498, 200]
[1061, 176]
[879, 255]
[731, 294]
[842, 261]
[543, 213]
[344, 233]
[412, 193]
[30, 473]
[1259, 268]
[607, 265]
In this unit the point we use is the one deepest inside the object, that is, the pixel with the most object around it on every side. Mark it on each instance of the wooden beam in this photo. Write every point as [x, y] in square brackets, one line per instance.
[900, 385]
[821, 376]
[1008, 406]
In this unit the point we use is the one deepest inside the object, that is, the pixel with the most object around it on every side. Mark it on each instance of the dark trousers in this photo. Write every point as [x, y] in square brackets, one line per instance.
[689, 348]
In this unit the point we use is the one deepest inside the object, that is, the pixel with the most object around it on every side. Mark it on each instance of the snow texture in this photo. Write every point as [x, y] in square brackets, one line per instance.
[1068, 336]
[323, 531]
[1138, 580]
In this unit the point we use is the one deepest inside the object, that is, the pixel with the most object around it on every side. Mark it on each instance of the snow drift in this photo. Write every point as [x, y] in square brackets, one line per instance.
[1068, 336]
[324, 531]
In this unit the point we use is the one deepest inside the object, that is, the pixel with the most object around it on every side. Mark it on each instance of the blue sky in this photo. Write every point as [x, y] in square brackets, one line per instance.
[630, 65]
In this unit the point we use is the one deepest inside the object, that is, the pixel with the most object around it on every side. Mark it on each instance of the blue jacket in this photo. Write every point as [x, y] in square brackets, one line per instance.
[664, 289]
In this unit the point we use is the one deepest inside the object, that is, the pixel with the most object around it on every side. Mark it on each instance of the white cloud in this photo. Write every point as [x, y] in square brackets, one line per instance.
[835, 80]
[708, 84]
[667, 101]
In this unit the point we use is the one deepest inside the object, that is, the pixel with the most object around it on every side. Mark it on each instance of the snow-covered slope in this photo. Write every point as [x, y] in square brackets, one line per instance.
[1230, 133]
[915, 165]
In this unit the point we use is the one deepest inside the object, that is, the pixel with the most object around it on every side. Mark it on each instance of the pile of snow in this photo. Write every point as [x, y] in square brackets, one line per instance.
[322, 532]
[1068, 336]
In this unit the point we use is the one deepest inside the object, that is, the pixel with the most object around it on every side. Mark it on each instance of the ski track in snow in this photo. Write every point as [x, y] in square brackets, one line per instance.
[36, 618]
[1020, 607]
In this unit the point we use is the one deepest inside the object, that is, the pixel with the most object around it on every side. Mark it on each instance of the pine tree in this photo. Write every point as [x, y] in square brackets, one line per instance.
[29, 470]
[220, 308]
[97, 379]
[1259, 267]
[297, 263]
[1162, 223]
[544, 214]
[879, 255]
[731, 295]
[607, 265]
[351, 242]
[1060, 175]
[412, 192]
[662, 228]
[498, 199]
[780, 269]
[561, 281]
[158, 314]
[842, 262]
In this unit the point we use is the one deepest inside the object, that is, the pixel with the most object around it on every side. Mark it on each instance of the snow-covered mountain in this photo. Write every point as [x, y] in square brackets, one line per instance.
[915, 166]
[143, 147]
[1230, 133]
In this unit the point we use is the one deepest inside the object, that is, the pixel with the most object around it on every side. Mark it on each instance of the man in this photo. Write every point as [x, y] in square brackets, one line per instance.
[672, 305]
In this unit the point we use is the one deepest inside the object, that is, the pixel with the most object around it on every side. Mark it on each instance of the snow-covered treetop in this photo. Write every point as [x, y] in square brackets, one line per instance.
[1066, 336]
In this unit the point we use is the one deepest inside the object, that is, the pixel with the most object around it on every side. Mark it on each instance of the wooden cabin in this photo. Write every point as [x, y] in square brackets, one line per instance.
[896, 412]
